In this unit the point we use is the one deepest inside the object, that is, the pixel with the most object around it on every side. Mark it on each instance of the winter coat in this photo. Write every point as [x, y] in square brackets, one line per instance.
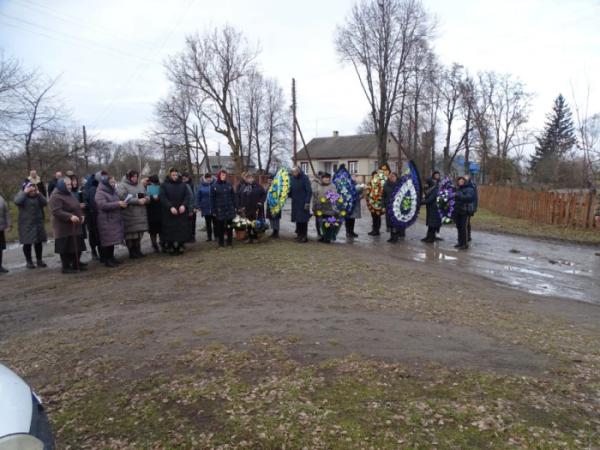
[251, 199]
[464, 198]
[192, 198]
[4, 215]
[109, 219]
[203, 198]
[475, 198]
[89, 195]
[135, 217]
[174, 194]
[433, 218]
[31, 218]
[63, 206]
[52, 185]
[154, 213]
[320, 191]
[301, 195]
[222, 197]
[388, 192]
[356, 212]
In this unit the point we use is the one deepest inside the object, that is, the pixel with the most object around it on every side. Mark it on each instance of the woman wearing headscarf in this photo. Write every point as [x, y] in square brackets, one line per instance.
[110, 220]
[32, 232]
[223, 208]
[91, 212]
[175, 200]
[67, 221]
[5, 225]
[204, 204]
[135, 216]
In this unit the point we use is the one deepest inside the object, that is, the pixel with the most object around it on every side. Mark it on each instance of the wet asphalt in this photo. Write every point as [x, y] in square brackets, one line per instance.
[536, 266]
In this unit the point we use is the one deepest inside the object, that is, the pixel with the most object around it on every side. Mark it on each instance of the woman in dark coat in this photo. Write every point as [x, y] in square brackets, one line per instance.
[464, 199]
[32, 231]
[110, 220]
[67, 221]
[203, 203]
[250, 201]
[175, 200]
[223, 208]
[91, 211]
[301, 195]
[154, 212]
[389, 187]
[433, 220]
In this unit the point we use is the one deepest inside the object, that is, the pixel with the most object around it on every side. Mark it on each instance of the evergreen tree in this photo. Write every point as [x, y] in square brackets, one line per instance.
[556, 140]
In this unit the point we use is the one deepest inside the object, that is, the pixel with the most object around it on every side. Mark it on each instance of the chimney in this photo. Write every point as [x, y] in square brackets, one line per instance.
[336, 133]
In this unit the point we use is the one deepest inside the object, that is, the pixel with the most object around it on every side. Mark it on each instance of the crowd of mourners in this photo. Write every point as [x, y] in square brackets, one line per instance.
[107, 212]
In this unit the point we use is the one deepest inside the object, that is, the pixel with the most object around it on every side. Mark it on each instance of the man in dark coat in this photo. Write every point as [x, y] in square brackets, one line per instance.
[222, 197]
[464, 198]
[301, 194]
[433, 220]
[175, 200]
[53, 181]
[389, 187]
[473, 208]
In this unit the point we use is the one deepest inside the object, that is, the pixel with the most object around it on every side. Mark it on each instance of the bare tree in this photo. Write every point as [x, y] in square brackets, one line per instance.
[377, 38]
[41, 111]
[213, 64]
[588, 138]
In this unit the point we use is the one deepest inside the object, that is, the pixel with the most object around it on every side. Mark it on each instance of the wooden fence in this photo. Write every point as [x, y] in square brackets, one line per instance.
[574, 209]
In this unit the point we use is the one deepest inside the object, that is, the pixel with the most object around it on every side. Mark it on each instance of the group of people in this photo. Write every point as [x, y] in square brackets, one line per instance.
[108, 212]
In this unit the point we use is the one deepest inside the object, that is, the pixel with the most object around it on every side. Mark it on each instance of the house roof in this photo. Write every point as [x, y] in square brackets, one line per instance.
[225, 161]
[357, 146]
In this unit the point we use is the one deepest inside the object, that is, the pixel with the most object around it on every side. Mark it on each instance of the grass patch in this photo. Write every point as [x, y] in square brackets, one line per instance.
[489, 221]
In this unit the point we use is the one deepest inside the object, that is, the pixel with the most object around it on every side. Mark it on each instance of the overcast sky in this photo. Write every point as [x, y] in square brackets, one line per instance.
[110, 53]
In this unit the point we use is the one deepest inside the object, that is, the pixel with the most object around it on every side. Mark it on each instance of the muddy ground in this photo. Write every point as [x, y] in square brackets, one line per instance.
[281, 345]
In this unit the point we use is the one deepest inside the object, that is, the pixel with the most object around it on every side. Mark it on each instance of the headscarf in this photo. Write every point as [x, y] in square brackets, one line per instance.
[62, 187]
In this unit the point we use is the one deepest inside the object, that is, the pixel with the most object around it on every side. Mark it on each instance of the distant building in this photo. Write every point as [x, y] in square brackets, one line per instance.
[457, 167]
[358, 153]
[218, 162]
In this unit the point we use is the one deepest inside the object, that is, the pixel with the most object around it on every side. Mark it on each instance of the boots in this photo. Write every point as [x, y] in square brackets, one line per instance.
[95, 254]
[41, 263]
[67, 263]
[393, 238]
[275, 234]
[30, 264]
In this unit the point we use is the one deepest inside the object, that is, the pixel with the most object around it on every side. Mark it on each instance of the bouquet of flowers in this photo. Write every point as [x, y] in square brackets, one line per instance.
[240, 223]
[330, 213]
[278, 192]
[375, 194]
[404, 204]
[346, 188]
[260, 225]
[445, 200]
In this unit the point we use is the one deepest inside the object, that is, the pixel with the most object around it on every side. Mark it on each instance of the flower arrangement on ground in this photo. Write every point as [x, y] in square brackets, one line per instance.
[330, 213]
[445, 200]
[278, 192]
[260, 225]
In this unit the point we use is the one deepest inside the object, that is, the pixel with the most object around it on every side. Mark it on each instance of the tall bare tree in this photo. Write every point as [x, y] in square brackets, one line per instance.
[377, 38]
[213, 64]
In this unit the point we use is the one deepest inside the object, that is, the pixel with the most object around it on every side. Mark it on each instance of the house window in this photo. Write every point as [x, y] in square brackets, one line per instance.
[327, 165]
[353, 167]
[304, 167]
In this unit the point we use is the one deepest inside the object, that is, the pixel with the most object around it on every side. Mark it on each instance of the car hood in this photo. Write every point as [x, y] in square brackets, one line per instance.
[15, 403]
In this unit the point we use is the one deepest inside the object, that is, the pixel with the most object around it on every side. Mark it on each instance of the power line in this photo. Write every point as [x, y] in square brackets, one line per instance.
[78, 21]
[52, 34]
[137, 70]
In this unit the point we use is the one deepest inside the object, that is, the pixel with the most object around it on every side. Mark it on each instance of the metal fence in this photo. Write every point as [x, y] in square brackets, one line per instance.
[574, 209]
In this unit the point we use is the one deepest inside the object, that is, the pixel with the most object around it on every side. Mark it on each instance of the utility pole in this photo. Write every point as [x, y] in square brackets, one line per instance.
[140, 157]
[85, 150]
[294, 141]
